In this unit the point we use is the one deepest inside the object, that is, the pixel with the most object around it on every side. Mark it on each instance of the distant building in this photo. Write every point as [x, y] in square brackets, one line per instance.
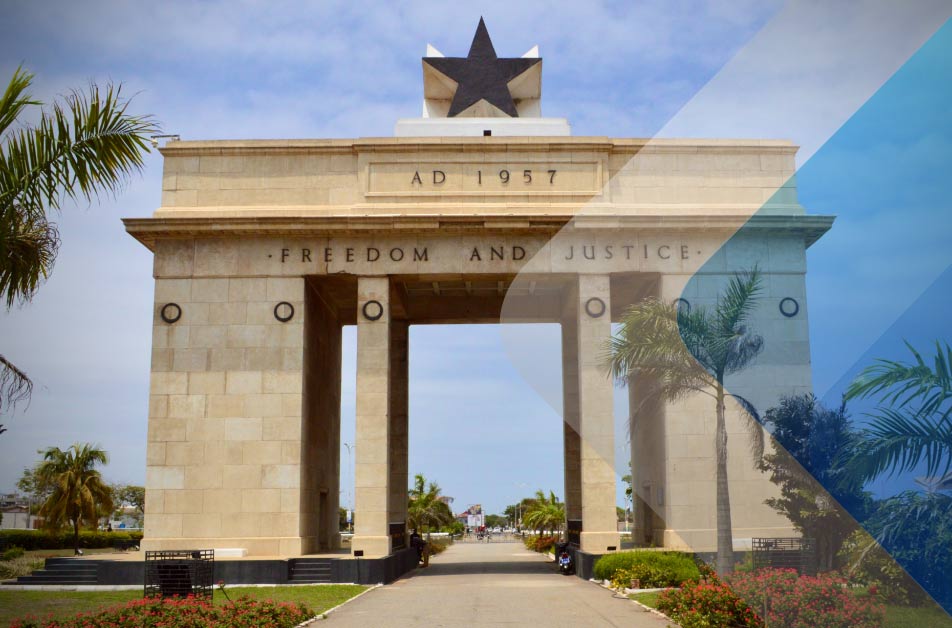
[16, 513]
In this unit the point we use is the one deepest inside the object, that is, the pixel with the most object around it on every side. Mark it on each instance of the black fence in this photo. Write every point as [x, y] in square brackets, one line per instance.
[785, 553]
[179, 573]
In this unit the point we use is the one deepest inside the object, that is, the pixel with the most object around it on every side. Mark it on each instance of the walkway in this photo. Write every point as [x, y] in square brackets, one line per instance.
[491, 584]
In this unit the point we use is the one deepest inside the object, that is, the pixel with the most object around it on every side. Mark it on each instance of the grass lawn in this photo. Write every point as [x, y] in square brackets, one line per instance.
[904, 617]
[648, 599]
[61, 604]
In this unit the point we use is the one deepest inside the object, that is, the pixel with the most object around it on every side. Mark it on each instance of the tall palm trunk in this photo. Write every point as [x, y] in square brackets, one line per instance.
[76, 536]
[725, 538]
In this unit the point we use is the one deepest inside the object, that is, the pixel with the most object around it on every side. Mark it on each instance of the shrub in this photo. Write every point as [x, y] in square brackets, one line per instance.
[707, 605]
[40, 540]
[183, 613]
[867, 563]
[540, 543]
[13, 552]
[654, 569]
[22, 566]
[824, 601]
[438, 546]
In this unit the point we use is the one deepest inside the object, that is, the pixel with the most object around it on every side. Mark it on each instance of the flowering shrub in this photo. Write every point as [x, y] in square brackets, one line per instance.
[183, 613]
[540, 543]
[707, 605]
[793, 601]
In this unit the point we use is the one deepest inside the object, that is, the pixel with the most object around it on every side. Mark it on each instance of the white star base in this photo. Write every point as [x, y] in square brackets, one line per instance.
[471, 127]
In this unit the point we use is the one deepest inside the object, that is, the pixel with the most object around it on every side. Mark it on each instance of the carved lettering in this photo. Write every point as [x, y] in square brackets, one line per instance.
[496, 254]
[375, 252]
[628, 248]
[667, 249]
[284, 254]
[518, 253]
[608, 251]
[420, 256]
[571, 252]
[585, 252]
[416, 178]
[684, 251]
[328, 254]
[305, 255]
[438, 177]
[393, 254]
[475, 255]
[349, 254]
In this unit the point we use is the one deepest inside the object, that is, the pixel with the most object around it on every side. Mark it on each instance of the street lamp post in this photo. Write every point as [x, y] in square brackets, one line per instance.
[350, 504]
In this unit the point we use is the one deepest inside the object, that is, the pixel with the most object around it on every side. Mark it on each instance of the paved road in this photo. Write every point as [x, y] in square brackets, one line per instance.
[494, 584]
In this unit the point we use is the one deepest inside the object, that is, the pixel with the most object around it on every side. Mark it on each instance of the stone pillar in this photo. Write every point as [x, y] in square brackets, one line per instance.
[399, 428]
[572, 447]
[372, 464]
[599, 530]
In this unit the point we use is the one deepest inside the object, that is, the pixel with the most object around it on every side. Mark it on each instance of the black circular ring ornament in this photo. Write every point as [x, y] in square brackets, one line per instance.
[372, 310]
[288, 311]
[682, 305]
[171, 312]
[789, 307]
[595, 307]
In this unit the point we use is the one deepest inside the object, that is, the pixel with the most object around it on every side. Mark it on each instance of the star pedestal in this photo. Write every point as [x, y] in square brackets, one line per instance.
[469, 127]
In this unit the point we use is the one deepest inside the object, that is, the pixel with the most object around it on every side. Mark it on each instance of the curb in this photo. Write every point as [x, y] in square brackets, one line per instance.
[626, 592]
[324, 615]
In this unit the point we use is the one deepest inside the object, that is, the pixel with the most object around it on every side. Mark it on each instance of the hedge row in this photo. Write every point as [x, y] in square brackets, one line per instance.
[649, 566]
[39, 540]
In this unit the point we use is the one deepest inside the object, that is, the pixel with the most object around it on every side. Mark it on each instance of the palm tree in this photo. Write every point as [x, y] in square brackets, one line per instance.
[79, 494]
[545, 513]
[681, 352]
[913, 423]
[81, 148]
[427, 507]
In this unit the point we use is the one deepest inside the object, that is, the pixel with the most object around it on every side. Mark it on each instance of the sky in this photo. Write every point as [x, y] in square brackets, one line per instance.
[233, 70]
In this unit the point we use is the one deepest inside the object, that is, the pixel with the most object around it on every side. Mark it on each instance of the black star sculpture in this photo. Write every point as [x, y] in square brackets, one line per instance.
[481, 75]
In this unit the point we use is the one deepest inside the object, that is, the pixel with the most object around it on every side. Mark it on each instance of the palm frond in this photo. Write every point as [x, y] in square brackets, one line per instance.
[86, 149]
[737, 302]
[755, 430]
[898, 441]
[28, 247]
[15, 385]
[15, 99]
[900, 383]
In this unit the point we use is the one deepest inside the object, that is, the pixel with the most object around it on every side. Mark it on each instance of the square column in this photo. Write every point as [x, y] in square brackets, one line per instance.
[572, 446]
[372, 460]
[399, 428]
[596, 417]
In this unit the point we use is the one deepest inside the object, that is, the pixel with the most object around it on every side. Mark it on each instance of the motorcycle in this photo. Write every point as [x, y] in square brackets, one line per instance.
[566, 565]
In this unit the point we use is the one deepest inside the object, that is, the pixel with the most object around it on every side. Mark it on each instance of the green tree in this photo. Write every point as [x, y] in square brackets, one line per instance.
[79, 495]
[427, 508]
[910, 429]
[84, 146]
[681, 352]
[545, 513]
[129, 495]
[806, 466]
[35, 486]
[496, 521]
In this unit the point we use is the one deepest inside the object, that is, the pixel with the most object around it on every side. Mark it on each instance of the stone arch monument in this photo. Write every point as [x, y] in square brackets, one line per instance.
[482, 210]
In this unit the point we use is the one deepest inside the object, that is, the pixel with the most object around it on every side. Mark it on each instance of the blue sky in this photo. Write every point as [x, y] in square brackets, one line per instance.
[216, 70]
